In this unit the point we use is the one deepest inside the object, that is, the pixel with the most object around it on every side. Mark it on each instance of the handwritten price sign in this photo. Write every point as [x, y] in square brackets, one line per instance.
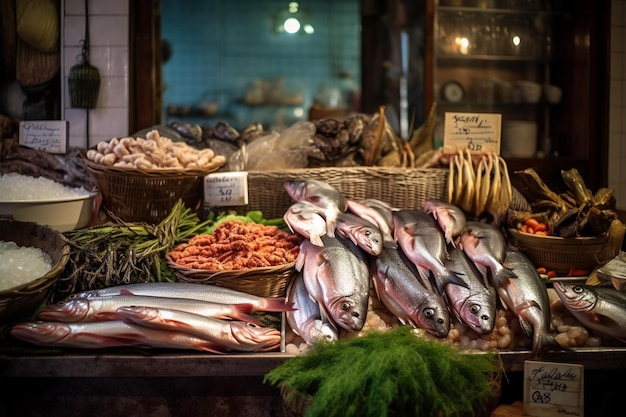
[553, 389]
[45, 135]
[476, 132]
[226, 189]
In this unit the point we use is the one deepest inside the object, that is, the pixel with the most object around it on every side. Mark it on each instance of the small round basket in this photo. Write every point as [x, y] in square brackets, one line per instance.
[268, 281]
[148, 196]
[560, 254]
[22, 301]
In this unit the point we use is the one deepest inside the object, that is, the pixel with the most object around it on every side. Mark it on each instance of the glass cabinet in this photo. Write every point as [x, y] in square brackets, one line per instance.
[530, 61]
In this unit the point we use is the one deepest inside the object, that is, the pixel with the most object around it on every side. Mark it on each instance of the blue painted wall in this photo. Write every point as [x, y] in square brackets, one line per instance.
[219, 48]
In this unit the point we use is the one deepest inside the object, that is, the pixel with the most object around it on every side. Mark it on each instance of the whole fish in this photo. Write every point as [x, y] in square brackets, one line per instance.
[306, 320]
[306, 219]
[192, 291]
[233, 335]
[474, 305]
[527, 297]
[602, 309]
[374, 216]
[106, 334]
[337, 277]
[422, 241]
[486, 245]
[450, 218]
[104, 308]
[320, 194]
[361, 232]
[399, 289]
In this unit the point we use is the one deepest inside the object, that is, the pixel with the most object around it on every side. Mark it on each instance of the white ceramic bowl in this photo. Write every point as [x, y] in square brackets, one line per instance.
[519, 139]
[530, 91]
[60, 214]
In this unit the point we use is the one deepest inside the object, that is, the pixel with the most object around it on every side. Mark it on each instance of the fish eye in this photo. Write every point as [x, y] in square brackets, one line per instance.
[429, 312]
[368, 233]
[475, 308]
[252, 325]
[345, 306]
[578, 289]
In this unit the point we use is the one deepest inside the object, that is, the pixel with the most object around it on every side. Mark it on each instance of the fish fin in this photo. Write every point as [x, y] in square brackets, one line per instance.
[208, 346]
[316, 240]
[124, 291]
[300, 260]
[242, 312]
[330, 227]
[526, 326]
[277, 305]
[500, 275]
[450, 278]
[543, 342]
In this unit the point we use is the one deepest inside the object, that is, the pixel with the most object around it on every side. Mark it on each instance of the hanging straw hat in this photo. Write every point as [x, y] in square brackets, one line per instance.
[33, 66]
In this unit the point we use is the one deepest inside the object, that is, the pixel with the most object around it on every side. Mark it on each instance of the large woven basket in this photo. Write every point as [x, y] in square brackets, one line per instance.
[268, 281]
[147, 196]
[560, 254]
[399, 187]
[22, 301]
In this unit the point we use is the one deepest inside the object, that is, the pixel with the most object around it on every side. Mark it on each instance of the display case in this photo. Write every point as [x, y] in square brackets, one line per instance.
[534, 63]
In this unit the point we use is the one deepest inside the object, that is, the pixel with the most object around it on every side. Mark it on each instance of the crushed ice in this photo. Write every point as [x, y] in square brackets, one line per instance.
[21, 264]
[18, 187]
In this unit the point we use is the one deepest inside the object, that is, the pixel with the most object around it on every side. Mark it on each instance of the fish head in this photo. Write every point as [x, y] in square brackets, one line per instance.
[41, 332]
[479, 313]
[575, 297]
[75, 309]
[323, 332]
[349, 313]
[296, 189]
[254, 337]
[434, 318]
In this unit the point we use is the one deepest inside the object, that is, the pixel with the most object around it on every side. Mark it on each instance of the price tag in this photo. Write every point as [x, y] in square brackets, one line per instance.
[45, 135]
[476, 132]
[553, 389]
[226, 189]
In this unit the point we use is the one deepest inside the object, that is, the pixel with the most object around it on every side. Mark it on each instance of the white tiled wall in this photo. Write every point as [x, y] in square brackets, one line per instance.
[108, 37]
[617, 108]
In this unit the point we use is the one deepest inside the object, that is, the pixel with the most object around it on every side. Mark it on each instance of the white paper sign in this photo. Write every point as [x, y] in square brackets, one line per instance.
[476, 132]
[553, 389]
[226, 189]
[45, 135]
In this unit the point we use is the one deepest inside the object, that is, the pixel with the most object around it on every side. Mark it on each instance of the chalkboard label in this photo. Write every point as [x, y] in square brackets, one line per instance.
[553, 389]
[45, 135]
[476, 132]
[226, 189]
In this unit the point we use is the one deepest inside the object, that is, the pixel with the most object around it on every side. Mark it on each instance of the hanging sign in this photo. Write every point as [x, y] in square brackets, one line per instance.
[553, 389]
[226, 189]
[476, 132]
[45, 135]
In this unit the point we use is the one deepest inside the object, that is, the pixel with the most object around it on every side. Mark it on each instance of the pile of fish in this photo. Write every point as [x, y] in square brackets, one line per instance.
[428, 266]
[173, 315]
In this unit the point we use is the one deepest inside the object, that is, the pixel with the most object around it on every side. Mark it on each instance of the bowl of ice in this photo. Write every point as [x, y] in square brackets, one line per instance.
[44, 201]
[32, 257]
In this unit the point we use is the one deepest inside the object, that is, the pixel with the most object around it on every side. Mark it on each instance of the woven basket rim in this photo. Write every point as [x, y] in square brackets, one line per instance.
[209, 275]
[557, 239]
[157, 172]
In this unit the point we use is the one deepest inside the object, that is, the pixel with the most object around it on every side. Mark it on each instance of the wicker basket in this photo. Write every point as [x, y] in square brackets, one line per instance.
[560, 254]
[399, 187]
[268, 281]
[147, 196]
[21, 302]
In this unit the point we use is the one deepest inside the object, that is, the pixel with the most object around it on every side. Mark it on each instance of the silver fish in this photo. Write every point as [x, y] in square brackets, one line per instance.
[602, 309]
[306, 219]
[337, 277]
[188, 290]
[527, 297]
[451, 218]
[106, 334]
[361, 232]
[422, 241]
[374, 216]
[474, 305]
[104, 308]
[486, 245]
[399, 289]
[320, 194]
[233, 335]
[306, 320]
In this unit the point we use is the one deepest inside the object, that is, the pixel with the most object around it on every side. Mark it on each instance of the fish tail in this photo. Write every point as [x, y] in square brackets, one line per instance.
[331, 225]
[242, 312]
[543, 342]
[501, 274]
